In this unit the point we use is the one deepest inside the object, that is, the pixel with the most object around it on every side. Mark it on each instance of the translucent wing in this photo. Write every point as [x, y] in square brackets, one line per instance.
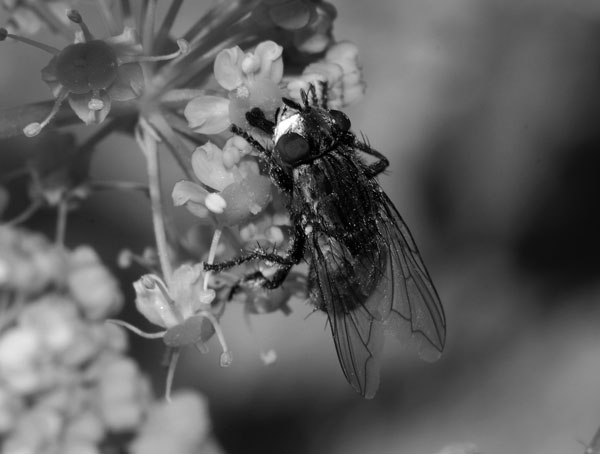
[417, 314]
[385, 287]
[341, 285]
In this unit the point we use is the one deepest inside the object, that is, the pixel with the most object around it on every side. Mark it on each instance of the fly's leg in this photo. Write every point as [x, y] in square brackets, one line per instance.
[257, 254]
[377, 167]
[258, 279]
[277, 174]
[293, 256]
[256, 118]
[251, 140]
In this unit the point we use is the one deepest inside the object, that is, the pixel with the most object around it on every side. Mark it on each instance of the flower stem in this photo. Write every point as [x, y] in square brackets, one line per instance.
[166, 25]
[148, 142]
[108, 17]
[171, 373]
[136, 330]
[126, 14]
[148, 18]
[61, 222]
[47, 15]
[177, 148]
[211, 255]
[24, 215]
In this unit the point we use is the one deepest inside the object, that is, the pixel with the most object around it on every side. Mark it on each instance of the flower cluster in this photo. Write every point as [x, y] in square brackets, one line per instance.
[66, 384]
[183, 94]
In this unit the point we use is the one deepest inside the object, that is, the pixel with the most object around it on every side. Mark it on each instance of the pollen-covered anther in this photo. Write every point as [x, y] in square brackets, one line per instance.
[215, 203]
[148, 282]
[96, 103]
[33, 129]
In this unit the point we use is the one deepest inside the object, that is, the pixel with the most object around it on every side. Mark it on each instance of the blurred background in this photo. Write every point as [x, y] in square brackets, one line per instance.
[488, 111]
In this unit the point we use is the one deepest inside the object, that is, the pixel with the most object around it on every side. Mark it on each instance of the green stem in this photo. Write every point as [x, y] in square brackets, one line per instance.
[149, 144]
[108, 17]
[61, 222]
[167, 23]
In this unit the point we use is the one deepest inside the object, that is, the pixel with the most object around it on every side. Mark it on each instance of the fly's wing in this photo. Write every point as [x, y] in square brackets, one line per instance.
[385, 288]
[342, 286]
[416, 315]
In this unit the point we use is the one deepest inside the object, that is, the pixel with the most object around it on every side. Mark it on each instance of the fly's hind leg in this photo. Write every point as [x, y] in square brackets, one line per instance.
[293, 256]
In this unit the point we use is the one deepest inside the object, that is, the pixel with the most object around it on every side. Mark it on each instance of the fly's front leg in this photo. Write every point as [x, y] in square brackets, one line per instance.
[256, 118]
[377, 167]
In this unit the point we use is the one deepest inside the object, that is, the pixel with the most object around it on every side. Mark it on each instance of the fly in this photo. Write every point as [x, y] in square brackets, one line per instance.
[365, 271]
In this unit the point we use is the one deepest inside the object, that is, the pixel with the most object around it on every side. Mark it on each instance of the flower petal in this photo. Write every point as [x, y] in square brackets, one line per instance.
[49, 76]
[80, 105]
[208, 114]
[262, 93]
[152, 302]
[207, 162]
[245, 199]
[192, 330]
[186, 287]
[228, 68]
[271, 62]
[187, 191]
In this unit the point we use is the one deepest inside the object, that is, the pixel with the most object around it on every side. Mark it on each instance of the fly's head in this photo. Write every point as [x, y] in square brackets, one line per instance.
[303, 134]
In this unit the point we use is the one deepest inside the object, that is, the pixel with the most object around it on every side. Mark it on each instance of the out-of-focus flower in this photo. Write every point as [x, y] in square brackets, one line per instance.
[37, 431]
[242, 192]
[65, 385]
[54, 318]
[182, 426]
[20, 350]
[339, 70]
[309, 22]
[59, 172]
[94, 288]
[28, 263]
[460, 448]
[123, 394]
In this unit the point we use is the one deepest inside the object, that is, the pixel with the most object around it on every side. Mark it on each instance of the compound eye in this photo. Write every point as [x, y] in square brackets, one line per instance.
[292, 148]
[340, 119]
[88, 66]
